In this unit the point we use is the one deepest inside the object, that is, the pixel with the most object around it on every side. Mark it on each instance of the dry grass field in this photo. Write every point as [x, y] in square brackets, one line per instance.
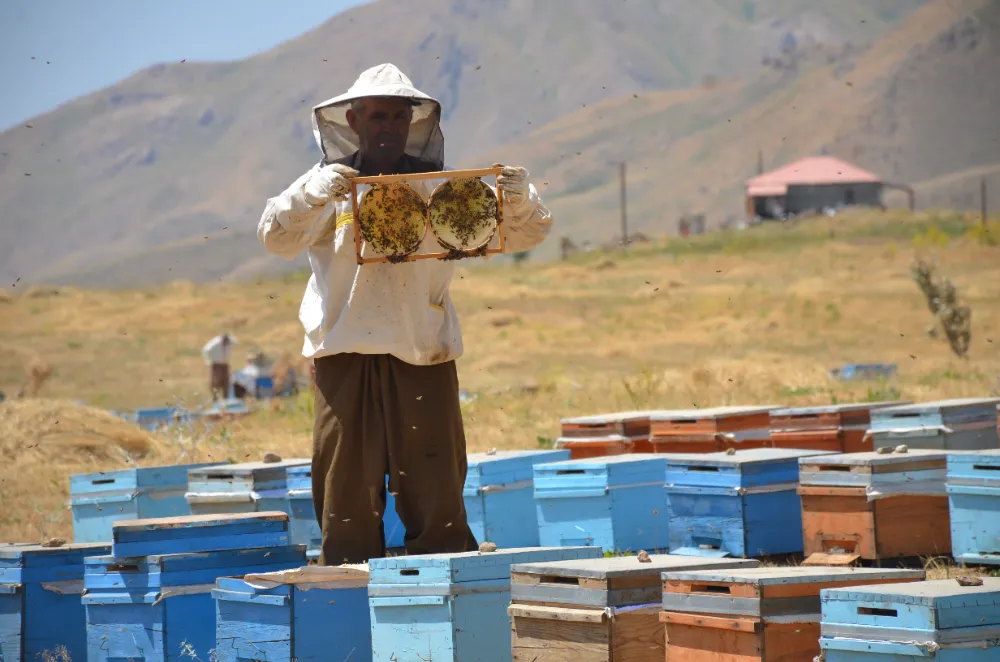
[749, 317]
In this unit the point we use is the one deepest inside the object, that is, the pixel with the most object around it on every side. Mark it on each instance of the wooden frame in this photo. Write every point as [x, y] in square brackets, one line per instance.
[422, 176]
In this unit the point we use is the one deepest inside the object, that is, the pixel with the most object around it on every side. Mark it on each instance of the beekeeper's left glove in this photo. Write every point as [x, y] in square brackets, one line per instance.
[513, 184]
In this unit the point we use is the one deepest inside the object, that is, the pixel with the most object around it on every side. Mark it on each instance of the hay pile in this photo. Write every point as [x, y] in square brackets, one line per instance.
[65, 433]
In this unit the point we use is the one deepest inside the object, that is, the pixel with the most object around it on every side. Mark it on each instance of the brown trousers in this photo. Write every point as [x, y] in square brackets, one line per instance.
[219, 381]
[378, 416]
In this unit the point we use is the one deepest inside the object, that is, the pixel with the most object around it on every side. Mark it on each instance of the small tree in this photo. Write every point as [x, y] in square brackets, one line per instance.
[942, 300]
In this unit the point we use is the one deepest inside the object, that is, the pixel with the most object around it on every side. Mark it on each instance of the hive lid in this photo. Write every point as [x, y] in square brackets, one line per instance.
[133, 478]
[940, 405]
[16, 550]
[870, 458]
[748, 456]
[197, 521]
[508, 467]
[246, 468]
[466, 566]
[712, 412]
[627, 566]
[311, 574]
[834, 409]
[199, 533]
[772, 576]
[614, 417]
[918, 611]
[630, 459]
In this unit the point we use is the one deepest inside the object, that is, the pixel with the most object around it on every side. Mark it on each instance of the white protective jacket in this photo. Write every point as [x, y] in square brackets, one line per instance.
[400, 309]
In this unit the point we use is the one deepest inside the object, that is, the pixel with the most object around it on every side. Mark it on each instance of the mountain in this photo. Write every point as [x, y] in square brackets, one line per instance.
[918, 108]
[164, 175]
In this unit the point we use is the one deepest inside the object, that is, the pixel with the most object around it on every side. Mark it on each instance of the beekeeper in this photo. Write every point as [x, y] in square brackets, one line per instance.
[216, 353]
[383, 337]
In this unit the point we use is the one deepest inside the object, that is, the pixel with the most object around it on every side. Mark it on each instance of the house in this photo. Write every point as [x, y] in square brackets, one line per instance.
[811, 184]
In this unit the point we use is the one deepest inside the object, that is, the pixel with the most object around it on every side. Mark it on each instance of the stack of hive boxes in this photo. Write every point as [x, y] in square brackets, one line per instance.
[605, 434]
[710, 430]
[150, 599]
[951, 425]
[838, 428]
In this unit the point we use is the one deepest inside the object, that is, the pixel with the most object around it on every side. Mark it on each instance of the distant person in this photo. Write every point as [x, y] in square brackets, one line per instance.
[217, 353]
[383, 337]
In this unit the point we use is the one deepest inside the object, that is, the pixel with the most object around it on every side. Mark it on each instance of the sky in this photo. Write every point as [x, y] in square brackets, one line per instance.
[81, 46]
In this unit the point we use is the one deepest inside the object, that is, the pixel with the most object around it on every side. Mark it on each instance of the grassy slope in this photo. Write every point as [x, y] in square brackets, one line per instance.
[757, 317]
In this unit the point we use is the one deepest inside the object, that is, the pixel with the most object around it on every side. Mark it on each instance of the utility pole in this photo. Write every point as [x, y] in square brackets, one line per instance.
[624, 214]
[982, 199]
[760, 161]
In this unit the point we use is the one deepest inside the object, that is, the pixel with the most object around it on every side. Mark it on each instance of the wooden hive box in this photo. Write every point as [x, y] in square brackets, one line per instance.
[304, 524]
[938, 620]
[153, 608]
[839, 428]
[199, 533]
[973, 486]
[710, 430]
[241, 488]
[721, 504]
[615, 503]
[766, 614]
[309, 614]
[606, 434]
[449, 607]
[595, 609]
[954, 425]
[99, 499]
[499, 496]
[41, 616]
[874, 506]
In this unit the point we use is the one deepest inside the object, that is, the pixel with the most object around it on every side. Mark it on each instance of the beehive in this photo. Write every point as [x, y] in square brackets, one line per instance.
[766, 614]
[840, 428]
[937, 620]
[973, 486]
[499, 496]
[308, 614]
[616, 503]
[199, 533]
[449, 607]
[710, 430]
[240, 488]
[606, 434]
[99, 499]
[595, 609]
[874, 506]
[39, 588]
[158, 608]
[963, 424]
[302, 522]
[721, 504]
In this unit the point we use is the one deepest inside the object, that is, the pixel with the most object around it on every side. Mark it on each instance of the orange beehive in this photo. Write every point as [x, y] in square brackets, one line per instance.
[874, 506]
[605, 434]
[710, 430]
[840, 428]
[768, 614]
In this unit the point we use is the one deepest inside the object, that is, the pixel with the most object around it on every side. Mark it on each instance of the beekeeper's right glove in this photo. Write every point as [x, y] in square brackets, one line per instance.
[331, 182]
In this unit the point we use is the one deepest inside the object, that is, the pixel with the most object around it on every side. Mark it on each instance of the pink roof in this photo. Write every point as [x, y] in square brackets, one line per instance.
[810, 170]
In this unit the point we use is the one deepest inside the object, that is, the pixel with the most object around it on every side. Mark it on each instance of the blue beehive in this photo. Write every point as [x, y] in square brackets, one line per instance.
[154, 608]
[722, 504]
[499, 496]
[616, 503]
[449, 607]
[39, 588]
[964, 424]
[938, 620]
[301, 513]
[314, 613]
[305, 526]
[99, 499]
[240, 488]
[199, 533]
[973, 486]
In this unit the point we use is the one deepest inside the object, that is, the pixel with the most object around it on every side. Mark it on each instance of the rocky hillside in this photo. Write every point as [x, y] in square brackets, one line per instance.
[164, 175]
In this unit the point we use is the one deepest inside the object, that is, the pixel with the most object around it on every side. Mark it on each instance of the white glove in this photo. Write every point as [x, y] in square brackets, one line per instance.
[329, 182]
[513, 182]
